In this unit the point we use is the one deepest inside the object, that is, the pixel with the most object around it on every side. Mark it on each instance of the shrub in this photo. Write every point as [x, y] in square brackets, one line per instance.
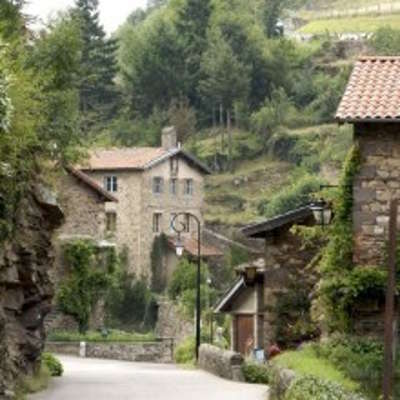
[256, 373]
[309, 387]
[182, 287]
[296, 195]
[361, 359]
[86, 282]
[130, 304]
[186, 351]
[53, 364]
[90, 336]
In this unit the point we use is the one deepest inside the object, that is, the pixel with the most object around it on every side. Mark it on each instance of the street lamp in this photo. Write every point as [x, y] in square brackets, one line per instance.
[179, 227]
[322, 212]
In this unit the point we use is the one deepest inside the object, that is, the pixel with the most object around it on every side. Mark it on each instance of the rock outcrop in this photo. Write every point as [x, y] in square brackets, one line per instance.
[25, 287]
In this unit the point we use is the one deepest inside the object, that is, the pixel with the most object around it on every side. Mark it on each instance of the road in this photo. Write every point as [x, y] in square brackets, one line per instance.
[90, 379]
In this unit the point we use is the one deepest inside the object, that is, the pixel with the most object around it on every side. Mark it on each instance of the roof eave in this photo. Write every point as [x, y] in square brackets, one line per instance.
[365, 120]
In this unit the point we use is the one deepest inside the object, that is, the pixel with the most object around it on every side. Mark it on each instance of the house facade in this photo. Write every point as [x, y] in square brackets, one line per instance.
[371, 103]
[84, 205]
[253, 300]
[151, 186]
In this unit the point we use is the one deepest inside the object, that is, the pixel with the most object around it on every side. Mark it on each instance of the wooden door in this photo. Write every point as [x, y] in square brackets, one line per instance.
[244, 334]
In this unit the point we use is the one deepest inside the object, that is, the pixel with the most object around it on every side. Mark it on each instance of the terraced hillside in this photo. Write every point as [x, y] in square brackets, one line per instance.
[359, 16]
[264, 184]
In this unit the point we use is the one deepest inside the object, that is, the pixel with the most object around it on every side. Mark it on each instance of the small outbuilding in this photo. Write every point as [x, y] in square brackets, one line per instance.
[252, 300]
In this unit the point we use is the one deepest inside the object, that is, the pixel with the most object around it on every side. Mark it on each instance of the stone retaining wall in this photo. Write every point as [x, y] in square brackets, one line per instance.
[155, 352]
[226, 364]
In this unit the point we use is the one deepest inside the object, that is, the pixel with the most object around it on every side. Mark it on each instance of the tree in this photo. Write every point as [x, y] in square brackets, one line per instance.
[97, 90]
[151, 63]
[182, 117]
[192, 25]
[271, 115]
[226, 79]
[271, 13]
[55, 60]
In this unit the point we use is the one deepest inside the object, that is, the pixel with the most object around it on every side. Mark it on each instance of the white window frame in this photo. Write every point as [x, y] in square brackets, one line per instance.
[157, 222]
[111, 183]
[188, 187]
[173, 186]
[158, 183]
[113, 224]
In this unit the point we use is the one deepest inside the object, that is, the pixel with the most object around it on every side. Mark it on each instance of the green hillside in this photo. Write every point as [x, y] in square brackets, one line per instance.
[359, 24]
[266, 184]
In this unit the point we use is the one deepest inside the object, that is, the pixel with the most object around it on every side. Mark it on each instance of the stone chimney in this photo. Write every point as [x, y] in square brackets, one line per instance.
[169, 138]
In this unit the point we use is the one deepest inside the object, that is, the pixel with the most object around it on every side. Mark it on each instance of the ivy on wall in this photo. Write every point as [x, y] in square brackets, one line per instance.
[91, 274]
[157, 256]
[344, 285]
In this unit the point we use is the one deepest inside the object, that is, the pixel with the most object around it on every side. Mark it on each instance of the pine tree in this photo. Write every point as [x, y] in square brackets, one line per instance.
[226, 80]
[192, 28]
[97, 91]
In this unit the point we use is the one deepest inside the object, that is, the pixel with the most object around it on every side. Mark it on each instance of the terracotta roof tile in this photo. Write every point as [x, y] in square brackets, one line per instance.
[373, 91]
[127, 158]
[135, 158]
[89, 182]
[190, 246]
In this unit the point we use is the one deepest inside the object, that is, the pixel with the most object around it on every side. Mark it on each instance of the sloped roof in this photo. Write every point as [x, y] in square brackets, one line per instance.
[373, 91]
[261, 229]
[135, 158]
[91, 184]
[190, 246]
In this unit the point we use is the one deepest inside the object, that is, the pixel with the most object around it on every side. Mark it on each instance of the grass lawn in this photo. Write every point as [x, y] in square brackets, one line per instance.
[306, 362]
[92, 336]
[352, 24]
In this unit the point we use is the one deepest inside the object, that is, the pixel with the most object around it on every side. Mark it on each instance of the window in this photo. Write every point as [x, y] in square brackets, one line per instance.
[188, 188]
[158, 185]
[174, 166]
[187, 223]
[111, 222]
[173, 186]
[111, 184]
[157, 222]
[173, 215]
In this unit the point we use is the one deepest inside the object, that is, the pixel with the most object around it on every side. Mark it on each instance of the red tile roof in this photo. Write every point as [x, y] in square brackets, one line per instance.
[373, 91]
[89, 182]
[135, 158]
[190, 246]
[128, 158]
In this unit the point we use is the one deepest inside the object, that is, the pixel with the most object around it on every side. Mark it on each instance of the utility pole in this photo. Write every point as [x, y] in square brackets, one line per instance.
[390, 304]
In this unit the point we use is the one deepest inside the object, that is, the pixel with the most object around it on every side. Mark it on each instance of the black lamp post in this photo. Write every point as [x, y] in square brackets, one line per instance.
[179, 227]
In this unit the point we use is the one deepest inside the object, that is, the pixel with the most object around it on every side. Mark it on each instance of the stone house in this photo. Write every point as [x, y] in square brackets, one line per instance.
[84, 205]
[252, 299]
[371, 103]
[151, 185]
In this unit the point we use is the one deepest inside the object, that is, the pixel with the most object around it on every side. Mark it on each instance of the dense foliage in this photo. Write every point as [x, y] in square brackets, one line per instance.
[359, 358]
[309, 387]
[183, 287]
[88, 279]
[256, 373]
[130, 304]
[158, 270]
[53, 364]
[109, 335]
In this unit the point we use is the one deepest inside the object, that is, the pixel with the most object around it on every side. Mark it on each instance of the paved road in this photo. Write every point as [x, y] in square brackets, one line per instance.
[89, 379]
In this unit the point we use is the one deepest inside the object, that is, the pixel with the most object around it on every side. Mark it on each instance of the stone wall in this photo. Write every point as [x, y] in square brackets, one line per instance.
[171, 323]
[156, 352]
[224, 363]
[25, 287]
[137, 204]
[286, 262]
[377, 181]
